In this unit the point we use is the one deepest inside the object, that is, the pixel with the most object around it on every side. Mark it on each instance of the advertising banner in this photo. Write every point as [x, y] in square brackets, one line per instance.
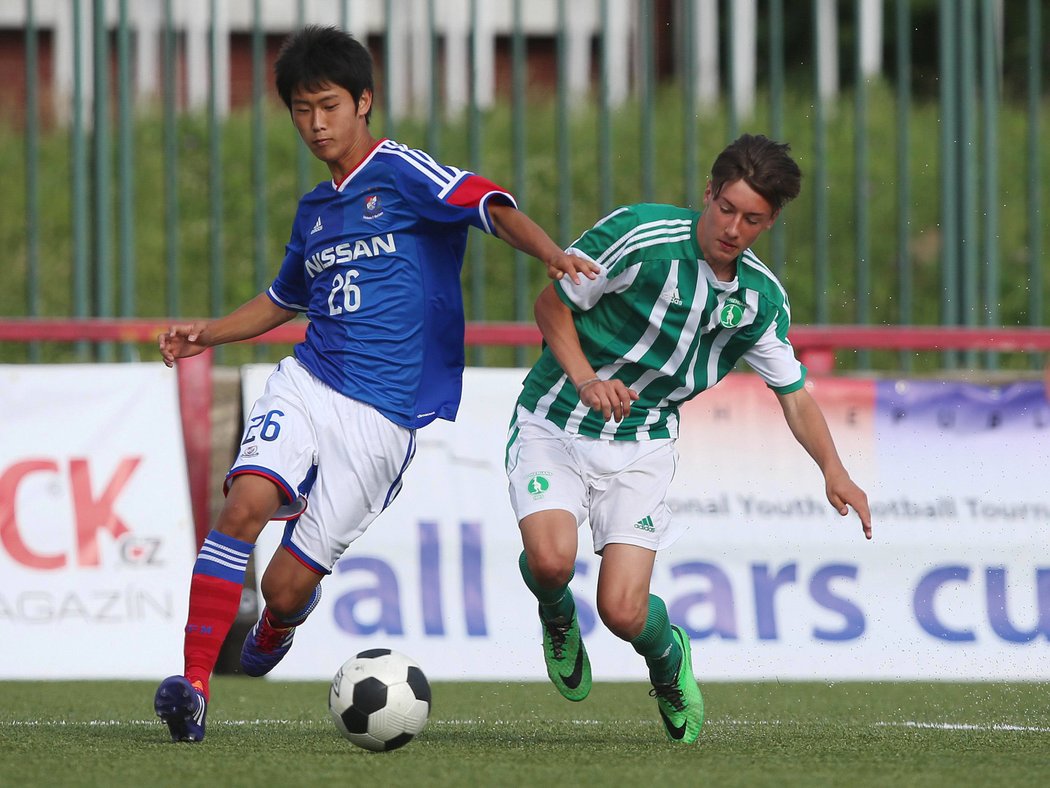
[954, 583]
[96, 533]
[768, 580]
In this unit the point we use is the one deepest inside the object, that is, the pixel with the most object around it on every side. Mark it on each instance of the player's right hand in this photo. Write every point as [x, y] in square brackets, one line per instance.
[844, 494]
[180, 342]
[571, 265]
[611, 397]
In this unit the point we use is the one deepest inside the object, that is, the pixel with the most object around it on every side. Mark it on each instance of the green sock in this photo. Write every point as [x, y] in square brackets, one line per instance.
[555, 603]
[662, 654]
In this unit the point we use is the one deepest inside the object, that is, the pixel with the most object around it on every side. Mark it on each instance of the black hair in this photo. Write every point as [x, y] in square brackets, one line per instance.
[317, 56]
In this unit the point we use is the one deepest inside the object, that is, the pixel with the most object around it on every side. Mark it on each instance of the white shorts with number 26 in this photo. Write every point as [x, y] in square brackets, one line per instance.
[337, 461]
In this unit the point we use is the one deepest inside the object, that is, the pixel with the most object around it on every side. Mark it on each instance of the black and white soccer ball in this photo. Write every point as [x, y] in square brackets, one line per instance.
[380, 699]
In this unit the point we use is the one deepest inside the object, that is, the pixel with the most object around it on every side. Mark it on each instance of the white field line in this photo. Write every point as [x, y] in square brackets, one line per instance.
[729, 723]
[960, 726]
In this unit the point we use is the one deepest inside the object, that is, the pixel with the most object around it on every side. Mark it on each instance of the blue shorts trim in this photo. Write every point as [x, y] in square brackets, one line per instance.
[299, 555]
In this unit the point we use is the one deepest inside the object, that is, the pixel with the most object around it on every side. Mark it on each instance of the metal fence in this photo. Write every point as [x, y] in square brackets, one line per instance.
[918, 124]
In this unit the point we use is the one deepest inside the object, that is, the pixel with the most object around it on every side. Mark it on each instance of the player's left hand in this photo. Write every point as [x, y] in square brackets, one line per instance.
[611, 397]
[844, 494]
[562, 265]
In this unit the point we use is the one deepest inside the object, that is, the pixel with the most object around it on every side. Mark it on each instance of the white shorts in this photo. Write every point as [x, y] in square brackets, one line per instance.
[338, 462]
[620, 486]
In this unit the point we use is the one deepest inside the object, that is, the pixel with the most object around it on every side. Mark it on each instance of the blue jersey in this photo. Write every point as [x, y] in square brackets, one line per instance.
[375, 263]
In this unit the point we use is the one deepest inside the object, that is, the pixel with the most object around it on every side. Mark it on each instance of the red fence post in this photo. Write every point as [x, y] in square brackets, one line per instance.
[818, 360]
[195, 397]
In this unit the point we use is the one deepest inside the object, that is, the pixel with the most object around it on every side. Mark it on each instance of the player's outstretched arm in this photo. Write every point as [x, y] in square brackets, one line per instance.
[810, 429]
[249, 320]
[525, 235]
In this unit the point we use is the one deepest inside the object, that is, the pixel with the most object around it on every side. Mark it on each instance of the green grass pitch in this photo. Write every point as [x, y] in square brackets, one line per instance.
[509, 733]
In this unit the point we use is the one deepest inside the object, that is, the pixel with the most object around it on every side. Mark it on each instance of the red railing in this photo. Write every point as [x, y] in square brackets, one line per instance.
[815, 345]
[804, 337]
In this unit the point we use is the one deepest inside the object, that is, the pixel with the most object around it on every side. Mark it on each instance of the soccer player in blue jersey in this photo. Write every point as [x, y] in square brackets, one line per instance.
[374, 261]
[680, 298]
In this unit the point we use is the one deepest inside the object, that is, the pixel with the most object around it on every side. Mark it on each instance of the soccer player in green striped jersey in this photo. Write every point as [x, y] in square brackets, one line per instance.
[679, 300]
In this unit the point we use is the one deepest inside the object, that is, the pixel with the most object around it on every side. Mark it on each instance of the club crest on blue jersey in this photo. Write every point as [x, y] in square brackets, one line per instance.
[373, 208]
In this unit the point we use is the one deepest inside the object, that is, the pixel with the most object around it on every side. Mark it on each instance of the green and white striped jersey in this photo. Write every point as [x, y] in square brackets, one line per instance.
[657, 318]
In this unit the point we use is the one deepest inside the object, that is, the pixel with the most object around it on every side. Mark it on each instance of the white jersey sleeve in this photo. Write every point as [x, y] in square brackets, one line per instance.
[774, 360]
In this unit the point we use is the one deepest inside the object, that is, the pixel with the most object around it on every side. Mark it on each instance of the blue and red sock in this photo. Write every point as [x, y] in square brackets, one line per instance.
[215, 597]
[296, 618]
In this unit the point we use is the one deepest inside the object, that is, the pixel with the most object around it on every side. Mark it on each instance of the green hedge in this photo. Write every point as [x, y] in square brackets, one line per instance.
[540, 201]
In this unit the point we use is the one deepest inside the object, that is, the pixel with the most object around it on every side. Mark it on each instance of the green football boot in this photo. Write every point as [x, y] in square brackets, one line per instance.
[567, 663]
[681, 704]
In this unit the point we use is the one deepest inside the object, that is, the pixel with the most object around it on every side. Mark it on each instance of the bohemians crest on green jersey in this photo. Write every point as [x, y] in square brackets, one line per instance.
[658, 319]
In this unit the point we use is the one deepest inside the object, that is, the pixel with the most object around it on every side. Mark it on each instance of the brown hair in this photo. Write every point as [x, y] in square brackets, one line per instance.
[762, 164]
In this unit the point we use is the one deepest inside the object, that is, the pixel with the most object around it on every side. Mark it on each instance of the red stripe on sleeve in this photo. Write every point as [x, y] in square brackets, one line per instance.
[472, 189]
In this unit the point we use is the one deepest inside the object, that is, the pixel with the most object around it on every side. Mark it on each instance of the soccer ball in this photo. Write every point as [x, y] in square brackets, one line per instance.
[380, 699]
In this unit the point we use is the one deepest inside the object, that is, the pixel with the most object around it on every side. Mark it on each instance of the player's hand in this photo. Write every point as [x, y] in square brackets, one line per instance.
[562, 265]
[844, 494]
[611, 397]
[181, 342]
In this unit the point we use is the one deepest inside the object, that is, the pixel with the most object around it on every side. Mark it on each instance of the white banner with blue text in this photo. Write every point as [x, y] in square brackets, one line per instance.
[768, 580]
